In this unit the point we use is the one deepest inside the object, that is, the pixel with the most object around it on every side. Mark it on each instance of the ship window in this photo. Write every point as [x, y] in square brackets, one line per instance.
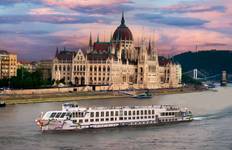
[120, 118]
[129, 118]
[129, 113]
[107, 119]
[102, 114]
[116, 113]
[58, 115]
[145, 117]
[133, 112]
[80, 121]
[52, 115]
[97, 114]
[125, 118]
[153, 117]
[149, 117]
[62, 116]
[102, 119]
[74, 115]
[92, 114]
[97, 120]
[86, 120]
[133, 117]
[137, 117]
[111, 119]
[107, 113]
[112, 113]
[125, 113]
[166, 114]
[142, 117]
[91, 120]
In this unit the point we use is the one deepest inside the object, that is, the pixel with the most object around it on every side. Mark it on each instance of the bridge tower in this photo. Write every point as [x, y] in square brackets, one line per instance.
[224, 78]
[195, 74]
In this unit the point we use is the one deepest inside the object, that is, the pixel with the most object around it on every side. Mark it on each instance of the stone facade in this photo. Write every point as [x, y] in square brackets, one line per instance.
[116, 64]
[8, 64]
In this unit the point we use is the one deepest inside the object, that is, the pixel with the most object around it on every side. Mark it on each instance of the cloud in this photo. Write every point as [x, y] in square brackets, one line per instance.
[12, 2]
[45, 11]
[54, 19]
[94, 6]
[191, 8]
[171, 20]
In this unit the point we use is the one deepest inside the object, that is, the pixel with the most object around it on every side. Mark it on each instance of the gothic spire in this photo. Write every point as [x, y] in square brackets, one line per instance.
[123, 19]
[149, 47]
[90, 40]
[98, 38]
[57, 51]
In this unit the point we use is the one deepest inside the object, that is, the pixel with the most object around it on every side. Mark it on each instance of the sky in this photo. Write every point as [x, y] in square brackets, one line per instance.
[34, 28]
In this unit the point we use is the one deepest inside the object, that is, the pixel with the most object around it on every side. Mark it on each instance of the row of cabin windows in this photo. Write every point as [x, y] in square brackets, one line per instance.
[99, 68]
[167, 114]
[125, 113]
[59, 115]
[115, 119]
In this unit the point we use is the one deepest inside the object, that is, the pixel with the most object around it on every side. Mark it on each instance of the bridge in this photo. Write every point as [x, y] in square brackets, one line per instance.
[201, 75]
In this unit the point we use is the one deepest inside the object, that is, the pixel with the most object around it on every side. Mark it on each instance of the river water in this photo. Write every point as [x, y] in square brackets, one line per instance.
[211, 129]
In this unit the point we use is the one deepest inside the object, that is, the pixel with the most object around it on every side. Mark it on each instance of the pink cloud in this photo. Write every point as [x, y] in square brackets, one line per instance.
[83, 3]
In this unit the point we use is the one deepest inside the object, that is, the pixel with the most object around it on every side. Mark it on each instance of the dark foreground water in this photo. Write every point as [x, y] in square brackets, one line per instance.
[212, 128]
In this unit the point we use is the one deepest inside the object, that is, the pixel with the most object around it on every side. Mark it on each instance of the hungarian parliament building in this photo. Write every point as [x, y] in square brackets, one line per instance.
[117, 64]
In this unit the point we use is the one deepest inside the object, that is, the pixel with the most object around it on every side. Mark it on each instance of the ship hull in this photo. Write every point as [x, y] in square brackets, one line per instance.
[68, 126]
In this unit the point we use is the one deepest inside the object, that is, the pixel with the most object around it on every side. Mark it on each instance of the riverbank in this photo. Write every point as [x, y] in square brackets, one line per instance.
[75, 96]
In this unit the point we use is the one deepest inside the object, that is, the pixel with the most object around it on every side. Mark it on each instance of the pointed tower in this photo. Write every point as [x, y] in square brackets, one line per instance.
[149, 51]
[90, 40]
[123, 20]
[98, 39]
[57, 51]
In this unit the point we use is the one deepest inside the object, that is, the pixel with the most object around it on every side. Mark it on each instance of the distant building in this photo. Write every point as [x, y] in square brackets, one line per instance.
[27, 65]
[45, 66]
[8, 64]
[118, 64]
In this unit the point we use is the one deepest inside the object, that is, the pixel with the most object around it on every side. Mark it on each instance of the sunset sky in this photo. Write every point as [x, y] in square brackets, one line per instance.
[34, 28]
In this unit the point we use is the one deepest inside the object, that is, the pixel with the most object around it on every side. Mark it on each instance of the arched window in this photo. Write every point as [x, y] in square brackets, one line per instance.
[68, 68]
[83, 68]
[77, 68]
[104, 68]
[59, 68]
[64, 68]
[91, 68]
[99, 69]
[95, 68]
[55, 67]
[108, 69]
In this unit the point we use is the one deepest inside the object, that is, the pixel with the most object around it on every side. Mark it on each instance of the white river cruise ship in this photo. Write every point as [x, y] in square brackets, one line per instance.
[73, 117]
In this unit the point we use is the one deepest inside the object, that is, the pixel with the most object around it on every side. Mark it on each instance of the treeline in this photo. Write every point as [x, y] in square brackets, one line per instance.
[26, 80]
[210, 62]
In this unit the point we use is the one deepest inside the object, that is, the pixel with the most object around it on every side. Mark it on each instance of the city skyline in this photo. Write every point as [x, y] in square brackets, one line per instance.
[34, 28]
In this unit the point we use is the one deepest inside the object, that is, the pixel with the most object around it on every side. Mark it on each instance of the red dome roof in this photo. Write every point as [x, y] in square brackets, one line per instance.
[122, 32]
